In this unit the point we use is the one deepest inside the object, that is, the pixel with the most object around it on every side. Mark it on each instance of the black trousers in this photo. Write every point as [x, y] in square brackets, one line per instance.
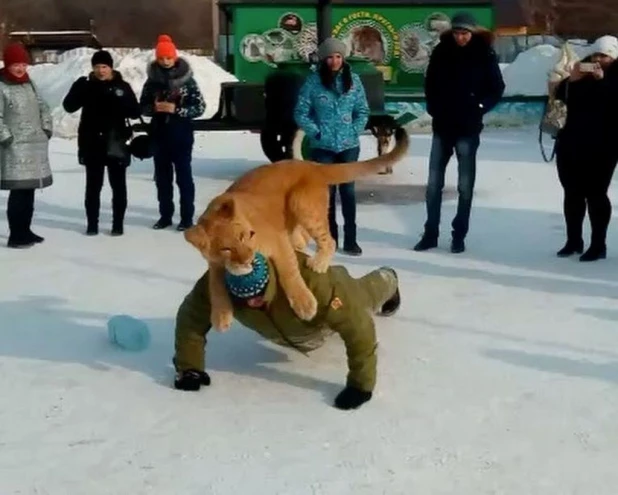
[19, 212]
[117, 177]
[585, 181]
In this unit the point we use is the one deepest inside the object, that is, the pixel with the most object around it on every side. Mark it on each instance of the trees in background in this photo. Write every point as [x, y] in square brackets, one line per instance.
[119, 23]
[582, 18]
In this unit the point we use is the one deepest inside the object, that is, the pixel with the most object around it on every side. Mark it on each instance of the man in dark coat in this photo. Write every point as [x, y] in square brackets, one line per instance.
[106, 101]
[463, 83]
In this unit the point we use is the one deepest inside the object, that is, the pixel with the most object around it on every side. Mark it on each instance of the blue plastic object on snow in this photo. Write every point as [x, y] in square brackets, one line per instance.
[128, 333]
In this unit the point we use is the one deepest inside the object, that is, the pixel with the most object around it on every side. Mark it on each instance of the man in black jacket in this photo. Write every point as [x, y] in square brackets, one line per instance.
[463, 82]
[106, 101]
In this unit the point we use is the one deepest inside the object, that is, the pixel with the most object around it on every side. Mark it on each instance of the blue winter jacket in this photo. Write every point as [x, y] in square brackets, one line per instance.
[331, 119]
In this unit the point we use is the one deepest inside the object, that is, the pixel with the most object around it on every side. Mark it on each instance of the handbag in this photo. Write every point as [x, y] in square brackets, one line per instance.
[117, 147]
[555, 111]
[141, 145]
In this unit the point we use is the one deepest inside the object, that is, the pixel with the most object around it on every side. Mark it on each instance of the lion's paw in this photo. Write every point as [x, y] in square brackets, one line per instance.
[221, 320]
[305, 305]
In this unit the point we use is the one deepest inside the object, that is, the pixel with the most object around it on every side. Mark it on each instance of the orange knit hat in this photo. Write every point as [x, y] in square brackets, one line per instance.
[165, 47]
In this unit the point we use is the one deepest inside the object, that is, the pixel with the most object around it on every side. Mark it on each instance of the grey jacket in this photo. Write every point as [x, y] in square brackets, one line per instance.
[25, 129]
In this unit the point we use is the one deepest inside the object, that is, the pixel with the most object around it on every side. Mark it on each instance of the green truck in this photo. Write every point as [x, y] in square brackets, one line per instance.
[270, 45]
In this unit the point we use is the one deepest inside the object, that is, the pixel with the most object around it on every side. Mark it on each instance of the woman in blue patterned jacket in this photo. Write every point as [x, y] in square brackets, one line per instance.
[332, 110]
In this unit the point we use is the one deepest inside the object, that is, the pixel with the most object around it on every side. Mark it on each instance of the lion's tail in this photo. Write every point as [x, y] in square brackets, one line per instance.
[349, 172]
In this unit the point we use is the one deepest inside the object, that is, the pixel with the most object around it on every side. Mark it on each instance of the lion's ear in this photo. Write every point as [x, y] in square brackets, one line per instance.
[197, 236]
[227, 208]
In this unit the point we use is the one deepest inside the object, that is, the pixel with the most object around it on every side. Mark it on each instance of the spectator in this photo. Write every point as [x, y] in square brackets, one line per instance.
[332, 110]
[586, 154]
[463, 82]
[172, 98]
[106, 101]
[25, 130]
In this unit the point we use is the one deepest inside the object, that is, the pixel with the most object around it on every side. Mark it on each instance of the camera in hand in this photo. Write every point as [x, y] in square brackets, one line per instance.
[587, 67]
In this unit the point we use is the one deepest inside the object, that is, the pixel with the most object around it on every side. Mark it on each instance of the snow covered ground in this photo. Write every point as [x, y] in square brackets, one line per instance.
[498, 376]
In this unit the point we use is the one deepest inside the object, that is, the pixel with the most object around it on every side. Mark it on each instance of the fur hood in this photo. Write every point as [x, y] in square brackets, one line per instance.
[480, 36]
[173, 78]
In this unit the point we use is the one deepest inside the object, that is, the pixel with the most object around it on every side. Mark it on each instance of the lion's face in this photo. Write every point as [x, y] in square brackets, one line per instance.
[224, 239]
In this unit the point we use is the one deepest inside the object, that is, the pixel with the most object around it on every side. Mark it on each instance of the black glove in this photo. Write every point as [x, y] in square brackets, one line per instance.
[191, 380]
[7, 142]
[351, 398]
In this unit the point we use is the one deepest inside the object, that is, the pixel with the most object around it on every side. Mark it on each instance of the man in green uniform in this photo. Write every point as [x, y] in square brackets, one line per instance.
[345, 306]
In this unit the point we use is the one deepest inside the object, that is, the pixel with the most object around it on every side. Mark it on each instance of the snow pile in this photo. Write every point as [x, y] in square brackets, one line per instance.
[54, 80]
[528, 73]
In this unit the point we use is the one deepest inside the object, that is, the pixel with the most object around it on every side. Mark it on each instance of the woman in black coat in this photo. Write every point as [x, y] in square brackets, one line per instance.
[106, 101]
[586, 151]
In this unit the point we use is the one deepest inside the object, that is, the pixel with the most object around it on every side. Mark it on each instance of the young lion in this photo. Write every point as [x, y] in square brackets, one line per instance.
[266, 210]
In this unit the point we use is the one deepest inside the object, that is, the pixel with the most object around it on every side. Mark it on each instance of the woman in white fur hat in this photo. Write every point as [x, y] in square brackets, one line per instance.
[586, 153]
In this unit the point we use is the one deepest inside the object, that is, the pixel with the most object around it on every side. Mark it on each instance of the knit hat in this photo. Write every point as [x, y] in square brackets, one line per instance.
[464, 21]
[102, 57]
[15, 53]
[252, 284]
[331, 46]
[606, 45]
[166, 47]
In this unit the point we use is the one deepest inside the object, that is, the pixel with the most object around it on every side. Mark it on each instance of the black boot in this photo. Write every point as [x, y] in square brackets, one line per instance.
[350, 245]
[458, 245]
[18, 241]
[191, 380]
[37, 239]
[427, 242]
[162, 223]
[594, 252]
[92, 228]
[184, 225]
[118, 224]
[117, 229]
[391, 306]
[570, 248]
[18, 224]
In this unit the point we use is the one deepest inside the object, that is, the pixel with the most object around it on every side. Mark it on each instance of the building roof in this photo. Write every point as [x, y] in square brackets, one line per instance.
[353, 3]
[56, 40]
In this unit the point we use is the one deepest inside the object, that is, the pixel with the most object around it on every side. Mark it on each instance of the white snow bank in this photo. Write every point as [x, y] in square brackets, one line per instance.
[527, 74]
[54, 80]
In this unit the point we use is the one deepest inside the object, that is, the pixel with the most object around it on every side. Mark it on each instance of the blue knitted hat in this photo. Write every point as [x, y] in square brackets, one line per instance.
[252, 284]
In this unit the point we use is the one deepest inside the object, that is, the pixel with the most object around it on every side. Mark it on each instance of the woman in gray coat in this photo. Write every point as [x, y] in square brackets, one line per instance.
[25, 130]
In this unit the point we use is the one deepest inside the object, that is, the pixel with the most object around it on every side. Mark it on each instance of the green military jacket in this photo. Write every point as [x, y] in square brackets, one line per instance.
[344, 307]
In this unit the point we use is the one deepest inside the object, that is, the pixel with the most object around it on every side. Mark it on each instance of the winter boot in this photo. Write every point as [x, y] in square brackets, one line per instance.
[350, 246]
[117, 230]
[18, 230]
[184, 225]
[391, 306]
[92, 229]
[570, 248]
[427, 242]
[162, 223]
[191, 380]
[594, 252]
[457, 245]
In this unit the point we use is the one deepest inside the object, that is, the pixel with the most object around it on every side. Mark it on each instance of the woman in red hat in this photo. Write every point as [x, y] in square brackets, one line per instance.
[25, 130]
[172, 98]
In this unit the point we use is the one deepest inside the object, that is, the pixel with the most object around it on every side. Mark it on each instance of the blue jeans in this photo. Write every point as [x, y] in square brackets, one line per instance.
[442, 149]
[346, 193]
[174, 159]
